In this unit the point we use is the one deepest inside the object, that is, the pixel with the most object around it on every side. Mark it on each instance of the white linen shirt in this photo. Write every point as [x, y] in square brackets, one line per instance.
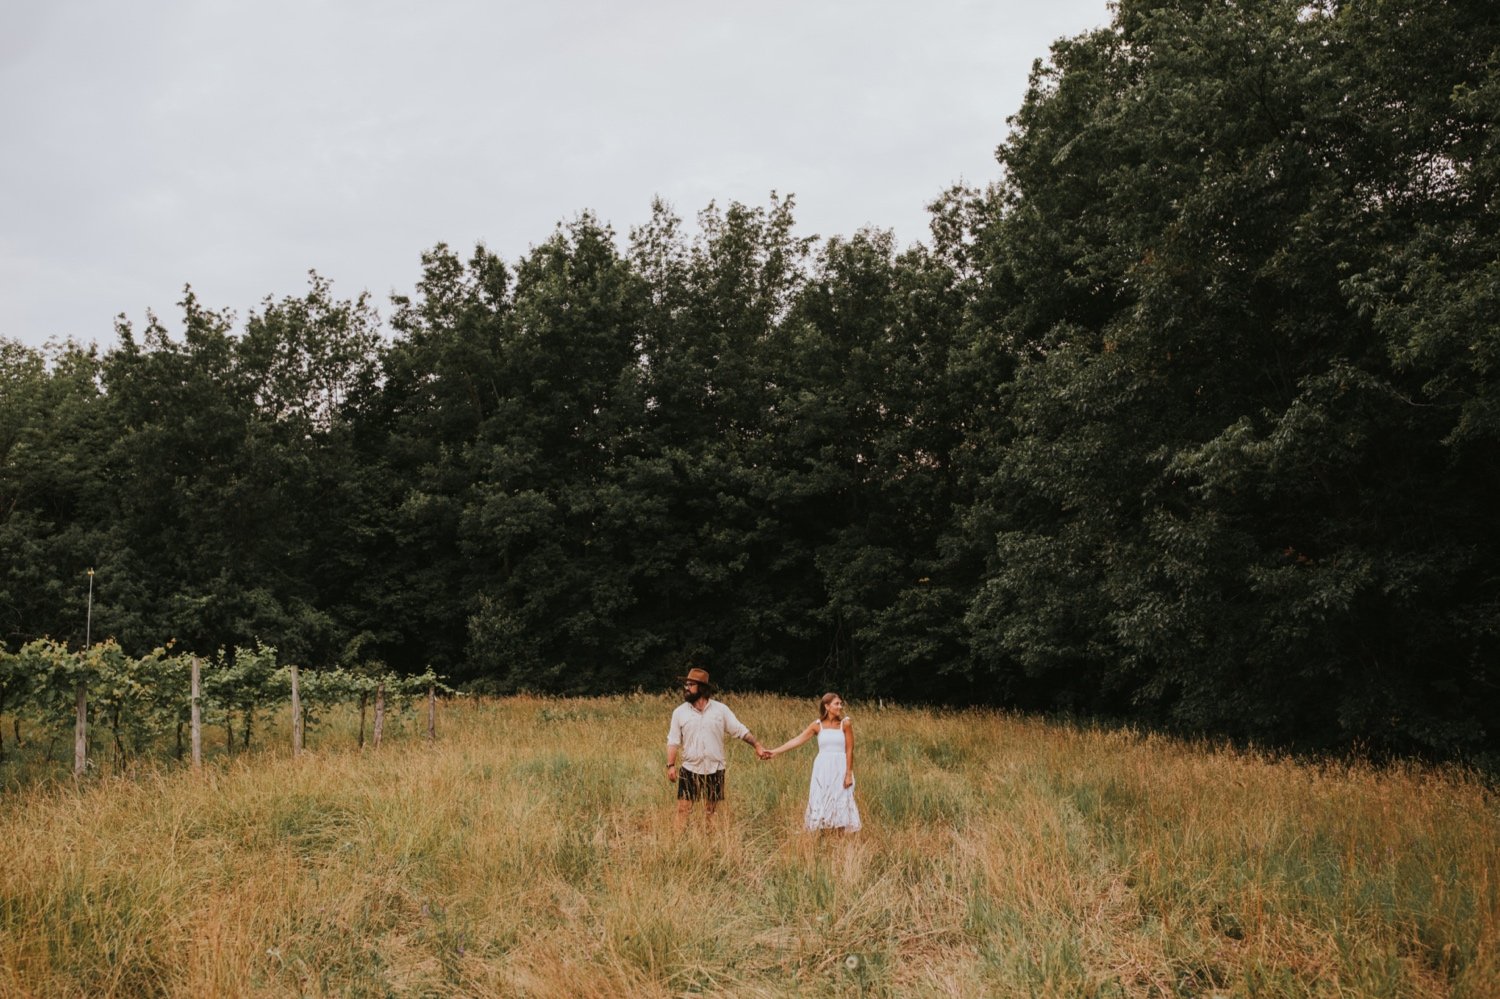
[701, 735]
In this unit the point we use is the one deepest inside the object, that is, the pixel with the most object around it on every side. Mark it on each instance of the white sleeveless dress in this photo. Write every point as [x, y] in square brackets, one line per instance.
[830, 805]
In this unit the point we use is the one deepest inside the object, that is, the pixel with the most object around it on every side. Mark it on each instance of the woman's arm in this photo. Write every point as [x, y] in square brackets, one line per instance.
[796, 740]
[848, 753]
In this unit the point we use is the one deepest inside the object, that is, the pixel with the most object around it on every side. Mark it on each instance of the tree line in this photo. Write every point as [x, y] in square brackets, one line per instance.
[1191, 418]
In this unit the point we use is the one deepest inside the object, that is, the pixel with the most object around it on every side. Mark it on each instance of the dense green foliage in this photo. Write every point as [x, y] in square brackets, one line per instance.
[1192, 417]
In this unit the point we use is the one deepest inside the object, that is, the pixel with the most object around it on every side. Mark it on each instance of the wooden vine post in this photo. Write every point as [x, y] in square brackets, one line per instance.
[197, 717]
[296, 715]
[431, 713]
[81, 725]
[81, 731]
[379, 728]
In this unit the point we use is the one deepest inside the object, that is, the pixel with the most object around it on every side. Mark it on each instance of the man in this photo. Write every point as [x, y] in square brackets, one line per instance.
[698, 728]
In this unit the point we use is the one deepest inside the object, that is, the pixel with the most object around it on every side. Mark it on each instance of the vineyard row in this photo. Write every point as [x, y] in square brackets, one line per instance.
[165, 698]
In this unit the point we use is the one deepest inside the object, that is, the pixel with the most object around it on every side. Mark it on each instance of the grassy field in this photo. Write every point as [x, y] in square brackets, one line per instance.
[530, 852]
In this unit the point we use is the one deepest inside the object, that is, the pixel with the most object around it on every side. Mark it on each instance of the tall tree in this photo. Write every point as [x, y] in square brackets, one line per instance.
[53, 436]
[419, 431]
[305, 362]
[716, 362]
[234, 476]
[548, 514]
[183, 511]
[1226, 501]
[866, 428]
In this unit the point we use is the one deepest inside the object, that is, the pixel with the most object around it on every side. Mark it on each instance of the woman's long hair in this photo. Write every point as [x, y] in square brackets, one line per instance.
[823, 705]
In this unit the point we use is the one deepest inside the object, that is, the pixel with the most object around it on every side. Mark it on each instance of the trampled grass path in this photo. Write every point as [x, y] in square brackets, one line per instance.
[531, 852]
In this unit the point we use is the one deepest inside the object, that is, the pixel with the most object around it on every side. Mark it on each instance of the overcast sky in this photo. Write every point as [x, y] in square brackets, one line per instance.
[235, 144]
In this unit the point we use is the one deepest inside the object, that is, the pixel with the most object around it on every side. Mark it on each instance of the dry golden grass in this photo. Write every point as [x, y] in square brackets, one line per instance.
[531, 852]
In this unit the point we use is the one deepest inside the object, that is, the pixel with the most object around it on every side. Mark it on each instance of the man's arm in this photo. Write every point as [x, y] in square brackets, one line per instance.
[760, 750]
[736, 728]
[674, 739]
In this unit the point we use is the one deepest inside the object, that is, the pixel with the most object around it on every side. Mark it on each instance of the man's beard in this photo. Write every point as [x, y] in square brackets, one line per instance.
[690, 696]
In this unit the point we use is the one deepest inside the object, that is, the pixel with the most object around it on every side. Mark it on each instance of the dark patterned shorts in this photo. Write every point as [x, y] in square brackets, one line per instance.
[695, 787]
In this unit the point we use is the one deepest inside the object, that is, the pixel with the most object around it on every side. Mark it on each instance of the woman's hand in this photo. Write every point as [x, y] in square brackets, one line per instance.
[848, 778]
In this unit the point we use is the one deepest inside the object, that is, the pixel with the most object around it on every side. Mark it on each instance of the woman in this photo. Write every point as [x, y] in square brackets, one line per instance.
[830, 795]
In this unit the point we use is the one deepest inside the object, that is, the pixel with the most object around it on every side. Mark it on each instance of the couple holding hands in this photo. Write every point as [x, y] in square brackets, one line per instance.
[700, 725]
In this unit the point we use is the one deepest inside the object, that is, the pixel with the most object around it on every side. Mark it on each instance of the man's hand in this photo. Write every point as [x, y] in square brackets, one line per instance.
[764, 753]
[671, 773]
